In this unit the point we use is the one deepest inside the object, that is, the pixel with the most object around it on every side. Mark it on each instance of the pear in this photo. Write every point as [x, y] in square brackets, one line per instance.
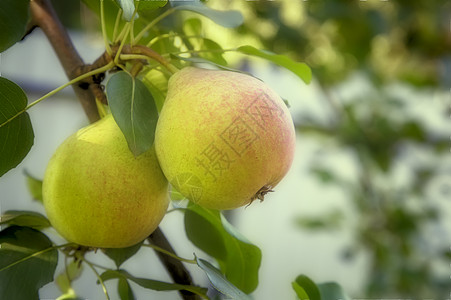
[97, 193]
[223, 139]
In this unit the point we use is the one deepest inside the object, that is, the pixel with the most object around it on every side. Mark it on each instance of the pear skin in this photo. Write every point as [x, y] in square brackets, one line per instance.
[96, 193]
[223, 139]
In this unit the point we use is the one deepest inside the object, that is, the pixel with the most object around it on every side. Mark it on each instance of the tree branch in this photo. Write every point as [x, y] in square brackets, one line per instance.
[175, 267]
[44, 16]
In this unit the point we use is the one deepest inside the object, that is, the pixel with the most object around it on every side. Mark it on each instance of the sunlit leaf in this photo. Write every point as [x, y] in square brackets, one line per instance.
[150, 4]
[229, 18]
[152, 284]
[134, 110]
[120, 255]
[24, 218]
[207, 48]
[192, 27]
[300, 69]
[34, 186]
[236, 256]
[27, 262]
[157, 84]
[16, 135]
[215, 55]
[14, 16]
[300, 292]
[306, 289]
[220, 283]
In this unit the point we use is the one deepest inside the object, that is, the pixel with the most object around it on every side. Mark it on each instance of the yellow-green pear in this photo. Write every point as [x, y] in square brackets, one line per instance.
[97, 193]
[223, 139]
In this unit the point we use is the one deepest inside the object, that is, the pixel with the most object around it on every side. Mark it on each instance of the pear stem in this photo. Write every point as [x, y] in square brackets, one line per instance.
[44, 16]
[260, 195]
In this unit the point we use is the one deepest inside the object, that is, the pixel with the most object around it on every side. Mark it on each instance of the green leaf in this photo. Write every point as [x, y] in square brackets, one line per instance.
[300, 69]
[14, 15]
[27, 262]
[134, 110]
[124, 290]
[34, 186]
[206, 233]
[238, 258]
[220, 282]
[228, 19]
[16, 136]
[120, 255]
[306, 289]
[300, 292]
[192, 27]
[152, 284]
[150, 4]
[215, 55]
[25, 218]
[332, 290]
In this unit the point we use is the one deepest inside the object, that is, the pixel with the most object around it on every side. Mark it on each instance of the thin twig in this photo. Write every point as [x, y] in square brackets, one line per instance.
[99, 278]
[159, 249]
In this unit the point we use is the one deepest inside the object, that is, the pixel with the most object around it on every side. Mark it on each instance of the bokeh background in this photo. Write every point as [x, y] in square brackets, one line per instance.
[367, 202]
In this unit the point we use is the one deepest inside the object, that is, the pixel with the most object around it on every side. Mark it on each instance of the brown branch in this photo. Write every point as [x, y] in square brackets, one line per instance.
[106, 58]
[44, 16]
[175, 267]
[140, 49]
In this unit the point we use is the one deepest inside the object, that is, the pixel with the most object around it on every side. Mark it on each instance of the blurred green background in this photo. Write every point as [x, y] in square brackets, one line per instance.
[402, 159]
[400, 51]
